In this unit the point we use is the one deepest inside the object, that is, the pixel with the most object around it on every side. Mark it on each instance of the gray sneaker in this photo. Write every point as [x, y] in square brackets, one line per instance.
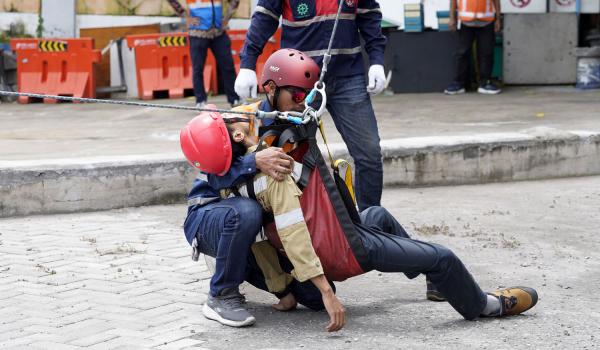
[226, 308]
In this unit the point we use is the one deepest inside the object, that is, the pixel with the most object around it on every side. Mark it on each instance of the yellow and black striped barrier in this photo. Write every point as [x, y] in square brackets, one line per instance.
[166, 41]
[52, 46]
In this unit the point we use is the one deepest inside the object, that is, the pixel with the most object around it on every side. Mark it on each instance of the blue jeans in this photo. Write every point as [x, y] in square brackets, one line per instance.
[221, 48]
[350, 107]
[391, 250]
[227, 230]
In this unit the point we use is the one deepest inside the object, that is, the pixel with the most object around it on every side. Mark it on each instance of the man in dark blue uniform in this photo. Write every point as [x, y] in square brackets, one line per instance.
[307, 26]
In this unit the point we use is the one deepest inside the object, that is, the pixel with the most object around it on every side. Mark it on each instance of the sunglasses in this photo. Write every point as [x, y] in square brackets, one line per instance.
[298, 94]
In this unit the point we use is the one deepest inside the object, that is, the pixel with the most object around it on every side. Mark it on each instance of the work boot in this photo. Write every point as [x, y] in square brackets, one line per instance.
[227, 308]
[432, 293]
[515, 300]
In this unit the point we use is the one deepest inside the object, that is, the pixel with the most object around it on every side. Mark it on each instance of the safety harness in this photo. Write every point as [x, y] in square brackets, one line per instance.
[326, 201]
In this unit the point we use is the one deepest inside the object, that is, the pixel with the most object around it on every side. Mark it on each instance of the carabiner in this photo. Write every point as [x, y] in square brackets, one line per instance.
[320, 89]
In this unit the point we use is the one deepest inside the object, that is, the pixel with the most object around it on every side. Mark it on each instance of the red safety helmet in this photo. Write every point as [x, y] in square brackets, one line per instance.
[206, 144]
[289, 67]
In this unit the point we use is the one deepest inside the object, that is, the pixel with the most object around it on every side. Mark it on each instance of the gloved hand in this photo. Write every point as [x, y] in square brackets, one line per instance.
[376, 79]
[245, 83]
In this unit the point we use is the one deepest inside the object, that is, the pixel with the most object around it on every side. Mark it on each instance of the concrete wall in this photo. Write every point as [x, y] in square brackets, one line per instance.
[59, 18]
[27, 187]
[538, 48]
[63, 187]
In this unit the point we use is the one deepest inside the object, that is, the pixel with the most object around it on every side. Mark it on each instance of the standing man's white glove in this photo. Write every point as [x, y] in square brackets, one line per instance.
[245, 83]
[376, 79]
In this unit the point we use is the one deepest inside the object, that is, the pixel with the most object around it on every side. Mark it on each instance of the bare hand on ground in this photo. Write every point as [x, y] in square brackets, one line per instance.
[335, 309]
[274, 162]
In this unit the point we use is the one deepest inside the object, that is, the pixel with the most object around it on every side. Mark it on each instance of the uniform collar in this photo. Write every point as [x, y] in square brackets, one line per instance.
[265, 106]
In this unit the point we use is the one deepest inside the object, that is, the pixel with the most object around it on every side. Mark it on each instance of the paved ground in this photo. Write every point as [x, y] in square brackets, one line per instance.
[71, 131]
[124, 279]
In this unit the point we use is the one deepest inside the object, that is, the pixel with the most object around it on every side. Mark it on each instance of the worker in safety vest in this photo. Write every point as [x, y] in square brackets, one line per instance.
[389, 247]
[207, 22]
[307, 25]
[479, 21]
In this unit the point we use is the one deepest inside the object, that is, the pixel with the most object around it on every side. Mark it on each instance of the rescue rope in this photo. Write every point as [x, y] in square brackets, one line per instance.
[319, 88]
[327, 56]
[322, 130]
[119, 102]
[298, 118]
[293, 117]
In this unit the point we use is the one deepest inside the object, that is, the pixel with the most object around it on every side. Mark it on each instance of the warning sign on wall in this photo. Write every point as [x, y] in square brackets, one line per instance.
[523, 6]
[587, 6]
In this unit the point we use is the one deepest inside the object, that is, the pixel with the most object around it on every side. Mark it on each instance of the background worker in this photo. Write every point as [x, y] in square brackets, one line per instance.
[480, 20]
[207, 22]
[307, 26]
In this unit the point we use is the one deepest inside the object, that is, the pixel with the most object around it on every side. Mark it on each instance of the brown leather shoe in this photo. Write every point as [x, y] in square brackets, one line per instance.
[516, 300]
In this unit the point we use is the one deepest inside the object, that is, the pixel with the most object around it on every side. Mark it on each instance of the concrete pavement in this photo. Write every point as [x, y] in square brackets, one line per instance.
[73, 157]
[123, 279]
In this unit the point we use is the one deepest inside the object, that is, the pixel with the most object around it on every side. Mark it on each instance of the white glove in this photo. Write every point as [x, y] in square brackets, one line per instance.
[376, 79]
[245, 83]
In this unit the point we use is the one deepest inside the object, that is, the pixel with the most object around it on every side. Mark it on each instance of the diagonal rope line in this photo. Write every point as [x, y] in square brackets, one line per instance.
[327, 56]
[120, 102]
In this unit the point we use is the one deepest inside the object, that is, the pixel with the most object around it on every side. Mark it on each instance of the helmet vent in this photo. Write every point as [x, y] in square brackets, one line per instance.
[307, 75]
[302, 58]
[292, 54]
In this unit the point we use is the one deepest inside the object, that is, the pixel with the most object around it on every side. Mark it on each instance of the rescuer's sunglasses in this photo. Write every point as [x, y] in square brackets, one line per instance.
[298, 94]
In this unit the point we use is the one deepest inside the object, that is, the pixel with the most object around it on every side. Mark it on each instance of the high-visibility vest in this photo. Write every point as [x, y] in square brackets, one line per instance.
[208, 12]
[476, 10]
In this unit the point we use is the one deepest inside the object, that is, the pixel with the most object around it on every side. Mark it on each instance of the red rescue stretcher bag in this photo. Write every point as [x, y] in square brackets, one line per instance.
[327, 205]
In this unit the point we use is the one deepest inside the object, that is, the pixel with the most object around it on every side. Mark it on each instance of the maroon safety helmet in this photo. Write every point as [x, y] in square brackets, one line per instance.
[289, 67]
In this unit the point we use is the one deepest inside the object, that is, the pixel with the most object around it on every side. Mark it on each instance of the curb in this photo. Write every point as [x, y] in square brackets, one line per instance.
[74, 185]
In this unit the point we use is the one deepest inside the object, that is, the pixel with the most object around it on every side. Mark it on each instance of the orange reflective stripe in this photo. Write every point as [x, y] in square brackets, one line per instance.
[480, 10]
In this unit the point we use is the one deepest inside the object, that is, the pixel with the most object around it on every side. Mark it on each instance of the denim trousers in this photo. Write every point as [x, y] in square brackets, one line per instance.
[390, 249]
[350, 107]
[227, 230]
[221, 49]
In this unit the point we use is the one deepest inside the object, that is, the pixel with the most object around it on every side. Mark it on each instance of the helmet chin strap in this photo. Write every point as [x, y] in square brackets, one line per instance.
[273, 103]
